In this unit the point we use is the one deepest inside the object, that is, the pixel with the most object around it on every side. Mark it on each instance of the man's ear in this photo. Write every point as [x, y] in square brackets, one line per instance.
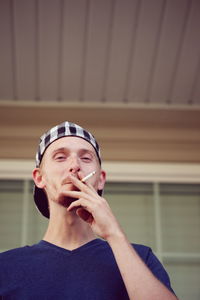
[38, 179]
[102, 180]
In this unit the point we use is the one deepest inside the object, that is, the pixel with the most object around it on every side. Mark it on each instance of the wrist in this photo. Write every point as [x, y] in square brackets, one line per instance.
[116, 237]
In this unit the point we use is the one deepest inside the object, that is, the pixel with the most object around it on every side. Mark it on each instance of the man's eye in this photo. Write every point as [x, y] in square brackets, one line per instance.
[60, 157]
[86, 158]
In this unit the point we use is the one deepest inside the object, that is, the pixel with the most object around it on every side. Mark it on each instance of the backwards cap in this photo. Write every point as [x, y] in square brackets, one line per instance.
[55, 133]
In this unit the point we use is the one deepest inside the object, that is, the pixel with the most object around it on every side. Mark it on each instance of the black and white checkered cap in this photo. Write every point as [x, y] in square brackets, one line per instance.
[55, 133]
[62, 130]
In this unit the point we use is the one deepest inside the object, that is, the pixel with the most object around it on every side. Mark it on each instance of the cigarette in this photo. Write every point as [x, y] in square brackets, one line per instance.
[88, 176]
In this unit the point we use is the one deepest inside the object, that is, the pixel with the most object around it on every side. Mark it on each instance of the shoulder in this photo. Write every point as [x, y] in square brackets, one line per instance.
[143, 251]
[17, 255]
[16, 263]
[153, 263]
[19, 250]
[13, 252]
[149, 258]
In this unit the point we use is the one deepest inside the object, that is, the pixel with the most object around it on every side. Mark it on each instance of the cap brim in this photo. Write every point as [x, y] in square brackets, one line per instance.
[41, 201]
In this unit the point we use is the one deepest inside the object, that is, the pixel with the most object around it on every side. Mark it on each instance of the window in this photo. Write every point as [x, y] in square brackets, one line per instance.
[161, 210]
[20, 222]
[165, 217]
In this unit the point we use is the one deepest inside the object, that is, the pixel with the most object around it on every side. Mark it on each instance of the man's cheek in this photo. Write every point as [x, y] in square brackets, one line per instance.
[52, 191]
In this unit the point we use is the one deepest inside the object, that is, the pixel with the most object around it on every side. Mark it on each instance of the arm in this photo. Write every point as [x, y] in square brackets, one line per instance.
[138, 279]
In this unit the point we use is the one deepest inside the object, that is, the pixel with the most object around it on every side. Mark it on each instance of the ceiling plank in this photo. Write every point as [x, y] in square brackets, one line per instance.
[73, 44]
[166, 58]
[49, 42]
[184, 83]
[25, 55]
[99, 26]
[123, 35]
[145, 51]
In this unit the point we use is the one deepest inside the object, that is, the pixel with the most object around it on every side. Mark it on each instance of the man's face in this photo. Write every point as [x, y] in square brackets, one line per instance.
[69, 155]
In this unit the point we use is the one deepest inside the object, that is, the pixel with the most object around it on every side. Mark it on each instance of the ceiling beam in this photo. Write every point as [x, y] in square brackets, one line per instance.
[125, 133]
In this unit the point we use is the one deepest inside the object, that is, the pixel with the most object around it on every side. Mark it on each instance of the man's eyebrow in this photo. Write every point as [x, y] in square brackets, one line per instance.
[62, 149]
[88, 151]
[83, 150]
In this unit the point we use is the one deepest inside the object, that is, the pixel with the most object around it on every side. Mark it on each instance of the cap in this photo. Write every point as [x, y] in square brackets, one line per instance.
[55, 133]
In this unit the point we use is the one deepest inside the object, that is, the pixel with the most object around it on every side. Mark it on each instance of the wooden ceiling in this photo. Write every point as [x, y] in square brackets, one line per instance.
[127, 51]
[128, 70]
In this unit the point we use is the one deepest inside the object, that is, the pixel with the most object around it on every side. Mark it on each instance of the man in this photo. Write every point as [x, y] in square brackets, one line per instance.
[71, 262]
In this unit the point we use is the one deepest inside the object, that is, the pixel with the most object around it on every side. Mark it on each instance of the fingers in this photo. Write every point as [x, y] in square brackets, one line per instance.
[85, 215]
[83, 203]
[84, 200]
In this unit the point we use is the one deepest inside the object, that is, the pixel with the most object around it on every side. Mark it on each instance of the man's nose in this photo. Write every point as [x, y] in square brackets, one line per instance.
[74, 166]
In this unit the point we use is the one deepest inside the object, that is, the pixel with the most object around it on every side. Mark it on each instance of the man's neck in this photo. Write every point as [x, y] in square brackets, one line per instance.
[68, 231]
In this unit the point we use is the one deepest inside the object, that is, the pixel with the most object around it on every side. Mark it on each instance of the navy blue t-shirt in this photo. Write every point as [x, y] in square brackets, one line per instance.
[45, 271]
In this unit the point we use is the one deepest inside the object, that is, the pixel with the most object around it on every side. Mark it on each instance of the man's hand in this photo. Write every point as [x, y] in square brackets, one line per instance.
[93, 209]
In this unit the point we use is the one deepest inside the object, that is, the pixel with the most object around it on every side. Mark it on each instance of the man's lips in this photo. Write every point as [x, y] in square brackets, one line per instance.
[70, 186]
[67, 181]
